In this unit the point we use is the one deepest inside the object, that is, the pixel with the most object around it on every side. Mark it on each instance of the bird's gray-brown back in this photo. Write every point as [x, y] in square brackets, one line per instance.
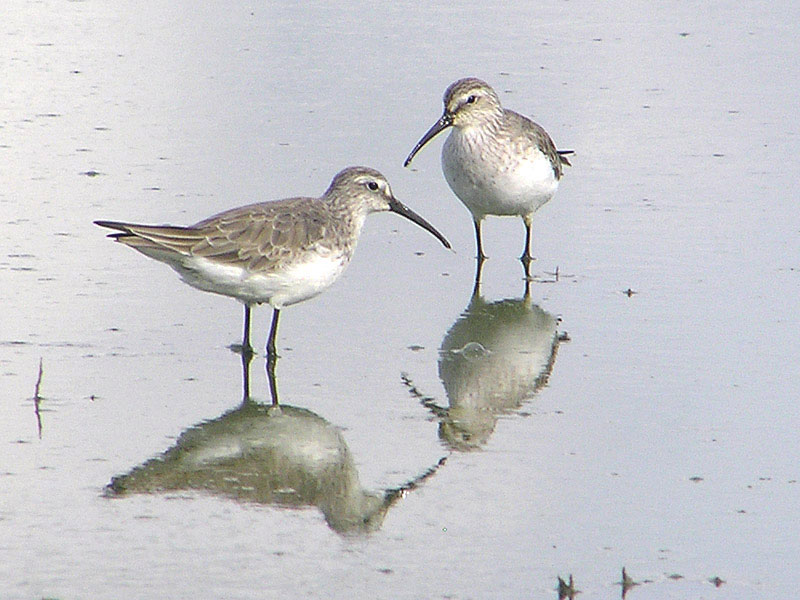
[270, 234]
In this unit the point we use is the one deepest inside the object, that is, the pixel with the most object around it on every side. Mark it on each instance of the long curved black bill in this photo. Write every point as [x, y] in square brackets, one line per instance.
[440, 125]
[401, 209]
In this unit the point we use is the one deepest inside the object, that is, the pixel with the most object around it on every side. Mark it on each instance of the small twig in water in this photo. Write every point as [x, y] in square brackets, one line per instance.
[37, 399]
[627, 583]
[567, 590]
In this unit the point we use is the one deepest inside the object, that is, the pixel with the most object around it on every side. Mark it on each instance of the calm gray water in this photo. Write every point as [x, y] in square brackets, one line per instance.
[432, 443]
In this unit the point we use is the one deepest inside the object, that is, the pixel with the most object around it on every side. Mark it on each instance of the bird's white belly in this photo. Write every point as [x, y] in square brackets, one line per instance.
[289, 285]
[492, 184]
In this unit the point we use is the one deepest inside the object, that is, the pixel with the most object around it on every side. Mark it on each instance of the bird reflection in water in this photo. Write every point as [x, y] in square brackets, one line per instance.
[493, 358]
[275, 454]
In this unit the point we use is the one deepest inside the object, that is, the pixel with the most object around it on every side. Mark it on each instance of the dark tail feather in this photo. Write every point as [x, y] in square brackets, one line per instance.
[113, 225]
[122, 229]
[562, 154]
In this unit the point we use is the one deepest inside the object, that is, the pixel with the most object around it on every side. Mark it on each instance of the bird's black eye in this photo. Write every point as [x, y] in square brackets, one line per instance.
[471, 99]
[372, 185]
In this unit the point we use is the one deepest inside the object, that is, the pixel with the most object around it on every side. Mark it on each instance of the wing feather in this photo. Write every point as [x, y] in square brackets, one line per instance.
[538, 137]
[263, 236]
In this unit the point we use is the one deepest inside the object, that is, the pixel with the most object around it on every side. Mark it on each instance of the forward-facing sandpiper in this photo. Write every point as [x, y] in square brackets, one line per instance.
[280, 252]
[496, 161]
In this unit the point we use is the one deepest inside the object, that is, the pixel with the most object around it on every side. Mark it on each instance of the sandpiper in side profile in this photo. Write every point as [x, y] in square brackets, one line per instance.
[496, 161]
[280, 252]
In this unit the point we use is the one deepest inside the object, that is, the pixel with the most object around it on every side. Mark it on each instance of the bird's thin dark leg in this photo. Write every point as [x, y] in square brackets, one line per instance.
[481, 255]
[273, 331]
[527, 257]
[272, 360]
[526, 272]
[478, 272]
[246, 347]
[246, 360]
[272, 356]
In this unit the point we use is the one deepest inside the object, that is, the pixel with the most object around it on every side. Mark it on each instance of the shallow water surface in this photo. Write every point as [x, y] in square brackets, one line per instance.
[632, 406]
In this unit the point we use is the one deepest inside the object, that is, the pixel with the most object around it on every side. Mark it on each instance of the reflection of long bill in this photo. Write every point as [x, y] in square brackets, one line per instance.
[401, 209]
